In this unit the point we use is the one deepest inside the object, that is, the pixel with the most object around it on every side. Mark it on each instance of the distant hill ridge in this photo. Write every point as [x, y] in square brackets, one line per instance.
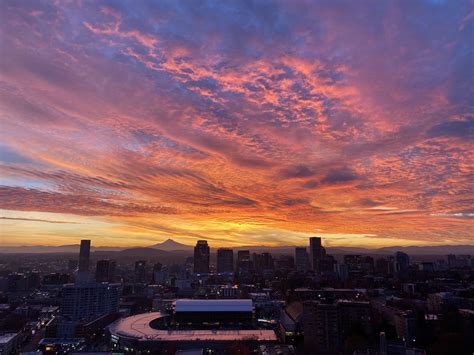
[170, 245]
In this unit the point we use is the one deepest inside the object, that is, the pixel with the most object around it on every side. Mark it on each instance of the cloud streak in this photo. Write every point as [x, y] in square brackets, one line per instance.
[35, 220]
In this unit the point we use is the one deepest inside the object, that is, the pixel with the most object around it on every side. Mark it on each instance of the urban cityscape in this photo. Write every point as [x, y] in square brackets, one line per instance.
[237, 177]
[226, 301]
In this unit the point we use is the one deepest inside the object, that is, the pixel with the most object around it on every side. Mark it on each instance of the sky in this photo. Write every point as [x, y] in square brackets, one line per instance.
[239, 122]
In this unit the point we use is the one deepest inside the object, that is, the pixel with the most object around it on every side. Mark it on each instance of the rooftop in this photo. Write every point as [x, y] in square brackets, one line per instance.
[235, 305]
[190, 352]
[71, 341]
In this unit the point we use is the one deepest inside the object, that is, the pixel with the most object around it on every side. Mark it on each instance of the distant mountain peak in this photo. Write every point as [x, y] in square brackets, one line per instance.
[170, 245]
[171, 241]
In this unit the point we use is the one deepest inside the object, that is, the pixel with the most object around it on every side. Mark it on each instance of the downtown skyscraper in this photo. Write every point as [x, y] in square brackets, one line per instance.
[201, 257]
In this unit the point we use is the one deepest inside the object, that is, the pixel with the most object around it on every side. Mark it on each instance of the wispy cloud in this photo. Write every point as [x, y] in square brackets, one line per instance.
[36, 220]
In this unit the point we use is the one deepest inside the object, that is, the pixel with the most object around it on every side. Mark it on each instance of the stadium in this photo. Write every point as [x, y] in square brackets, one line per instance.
[215, 325]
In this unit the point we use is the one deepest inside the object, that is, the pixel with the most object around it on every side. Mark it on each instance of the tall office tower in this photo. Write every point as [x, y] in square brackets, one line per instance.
[402, 264]
[140, 271]
[316, 252]
[301, 259]
[201, 257]
[243, 261]
[225, 260]
[83, 275]
[105, 271]
[84, 255]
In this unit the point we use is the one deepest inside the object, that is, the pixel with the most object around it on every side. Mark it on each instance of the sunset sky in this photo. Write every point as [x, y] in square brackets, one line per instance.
[239, 122]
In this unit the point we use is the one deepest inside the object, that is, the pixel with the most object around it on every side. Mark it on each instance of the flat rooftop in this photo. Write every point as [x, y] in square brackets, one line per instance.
[235, 305]
[138, 327]
[61, 341]
[5, 338]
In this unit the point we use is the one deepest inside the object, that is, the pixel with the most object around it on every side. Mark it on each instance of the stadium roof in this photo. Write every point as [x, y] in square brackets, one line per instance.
[138, 327]
[237, 305]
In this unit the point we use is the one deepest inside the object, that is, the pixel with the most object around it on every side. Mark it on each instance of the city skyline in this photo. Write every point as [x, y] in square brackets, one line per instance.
[259, 123]
[263, 300]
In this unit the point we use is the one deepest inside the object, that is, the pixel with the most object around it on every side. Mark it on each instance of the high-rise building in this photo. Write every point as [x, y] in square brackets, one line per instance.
[327, 263]
[160, 274]
[368, 264]
[157, 267]
[406, 326]
[243, 261]
[201, 257]
[301, 259]
[351, 313]
[84, 255]
[342, 272]
[285, 263]
[381, 266]
[105, 271]
[84, 302]
[140, 271]
[402, 264]
[452, 262]
[316, 252]
[225, 260]
[263, 262]
[354, 262]
[86, 299]
[326, 326]
[320, 326]
[383, 348]
[320, 262]
[83, 274]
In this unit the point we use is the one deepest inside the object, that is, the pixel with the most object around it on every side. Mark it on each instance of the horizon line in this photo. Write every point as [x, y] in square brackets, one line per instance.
[235, 246]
